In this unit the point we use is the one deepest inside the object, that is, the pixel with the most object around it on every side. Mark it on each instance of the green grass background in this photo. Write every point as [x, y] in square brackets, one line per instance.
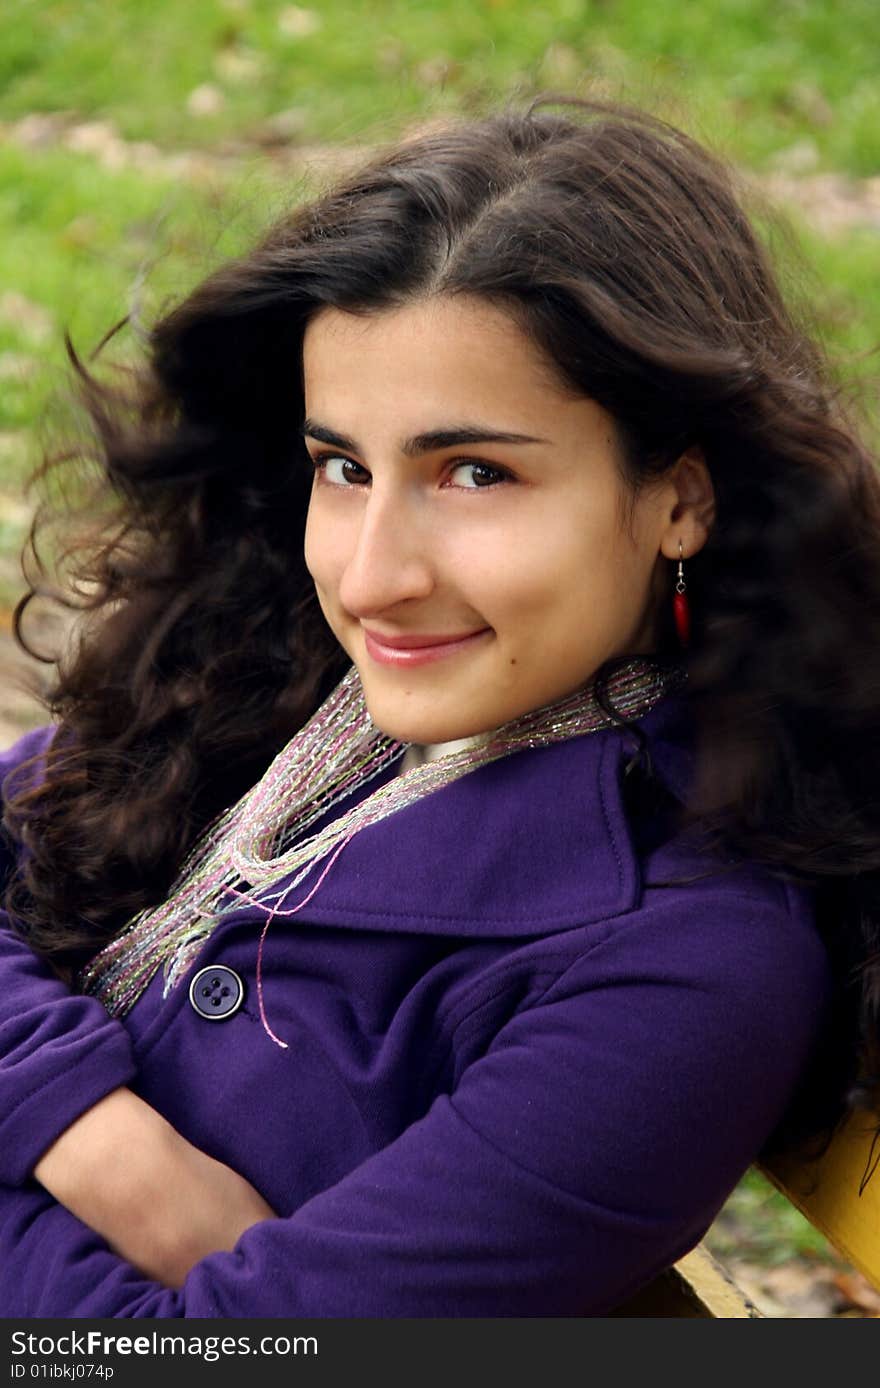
[792, 86]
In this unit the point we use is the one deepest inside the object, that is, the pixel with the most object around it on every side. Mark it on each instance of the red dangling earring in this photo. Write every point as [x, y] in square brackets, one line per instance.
[680, 608]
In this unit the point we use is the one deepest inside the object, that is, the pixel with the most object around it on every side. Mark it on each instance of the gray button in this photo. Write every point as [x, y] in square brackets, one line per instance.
[216, 992]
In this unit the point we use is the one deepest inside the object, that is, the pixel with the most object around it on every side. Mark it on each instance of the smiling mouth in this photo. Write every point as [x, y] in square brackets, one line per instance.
[419, 650]
[416, 642]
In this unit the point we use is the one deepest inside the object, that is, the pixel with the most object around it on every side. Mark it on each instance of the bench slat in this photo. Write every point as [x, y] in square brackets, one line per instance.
[696, 1285]
[827, 1192]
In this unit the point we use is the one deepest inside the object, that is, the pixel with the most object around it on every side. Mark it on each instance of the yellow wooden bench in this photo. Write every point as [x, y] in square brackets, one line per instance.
[839, 1194]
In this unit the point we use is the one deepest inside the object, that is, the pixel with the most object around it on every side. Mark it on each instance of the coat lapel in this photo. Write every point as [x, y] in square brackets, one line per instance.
[533, 844]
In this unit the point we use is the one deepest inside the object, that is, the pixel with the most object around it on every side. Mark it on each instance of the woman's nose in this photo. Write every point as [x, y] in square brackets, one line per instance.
[390, 560]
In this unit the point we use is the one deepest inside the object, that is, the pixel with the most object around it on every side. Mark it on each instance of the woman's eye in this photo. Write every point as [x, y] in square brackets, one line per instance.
[341, 471]
[332, 465]
[489, 476]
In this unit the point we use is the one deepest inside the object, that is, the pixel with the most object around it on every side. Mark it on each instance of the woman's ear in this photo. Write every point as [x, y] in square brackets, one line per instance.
[692, 506]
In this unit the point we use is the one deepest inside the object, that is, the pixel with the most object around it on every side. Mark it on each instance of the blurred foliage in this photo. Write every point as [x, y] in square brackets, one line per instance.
[760, 1225]
[760, 77]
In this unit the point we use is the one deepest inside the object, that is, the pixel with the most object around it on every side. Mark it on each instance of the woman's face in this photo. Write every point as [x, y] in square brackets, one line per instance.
[511, 533]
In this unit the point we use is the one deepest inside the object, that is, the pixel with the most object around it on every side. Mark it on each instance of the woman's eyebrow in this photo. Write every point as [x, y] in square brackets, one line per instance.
[451, 437]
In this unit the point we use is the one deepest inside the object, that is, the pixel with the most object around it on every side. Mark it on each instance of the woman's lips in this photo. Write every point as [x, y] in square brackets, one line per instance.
[409, 656]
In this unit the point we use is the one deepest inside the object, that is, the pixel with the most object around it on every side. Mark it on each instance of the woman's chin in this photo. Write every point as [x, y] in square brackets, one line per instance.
[424, 731]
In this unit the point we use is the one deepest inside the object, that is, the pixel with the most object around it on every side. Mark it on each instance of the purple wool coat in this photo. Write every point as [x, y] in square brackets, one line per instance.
[522, 1075]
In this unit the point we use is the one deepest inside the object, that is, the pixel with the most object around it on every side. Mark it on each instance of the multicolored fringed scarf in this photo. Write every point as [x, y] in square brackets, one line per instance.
[257, 845]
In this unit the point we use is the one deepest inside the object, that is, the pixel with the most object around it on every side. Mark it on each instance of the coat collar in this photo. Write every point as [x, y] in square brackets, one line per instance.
[529, 845]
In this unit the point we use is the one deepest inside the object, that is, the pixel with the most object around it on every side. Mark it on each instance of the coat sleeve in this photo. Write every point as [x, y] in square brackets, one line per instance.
[589, 1146]
[47, 1033]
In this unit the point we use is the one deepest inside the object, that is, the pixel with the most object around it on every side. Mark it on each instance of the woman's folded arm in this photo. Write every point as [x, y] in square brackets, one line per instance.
[68, 1118]
[60, 1053]
[590, 1145]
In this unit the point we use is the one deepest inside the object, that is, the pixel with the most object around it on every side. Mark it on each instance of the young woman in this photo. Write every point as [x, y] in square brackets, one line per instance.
[453, 857]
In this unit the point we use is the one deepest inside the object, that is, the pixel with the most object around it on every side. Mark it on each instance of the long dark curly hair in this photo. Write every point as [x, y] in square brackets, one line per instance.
[622, 248]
